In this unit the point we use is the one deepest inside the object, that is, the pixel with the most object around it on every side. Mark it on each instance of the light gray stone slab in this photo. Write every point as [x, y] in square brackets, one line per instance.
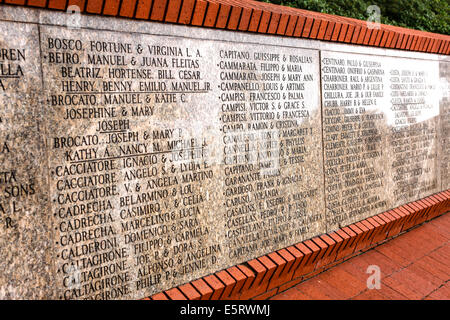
[171, 158]
[145, 155]
[381, 133]
[25, 228]
[413, 136]
[444, 160]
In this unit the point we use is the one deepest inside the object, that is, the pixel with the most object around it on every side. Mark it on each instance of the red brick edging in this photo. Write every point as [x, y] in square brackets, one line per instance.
[257, 17]
[263, 277]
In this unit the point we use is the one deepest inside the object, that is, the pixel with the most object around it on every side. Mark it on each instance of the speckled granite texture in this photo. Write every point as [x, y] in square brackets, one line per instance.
[139, 156]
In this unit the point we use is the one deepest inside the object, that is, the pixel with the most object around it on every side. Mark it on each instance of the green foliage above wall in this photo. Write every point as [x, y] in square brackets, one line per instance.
[426, 15]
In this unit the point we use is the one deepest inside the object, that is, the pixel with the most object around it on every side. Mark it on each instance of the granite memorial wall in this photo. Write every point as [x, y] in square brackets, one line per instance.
[140, 156]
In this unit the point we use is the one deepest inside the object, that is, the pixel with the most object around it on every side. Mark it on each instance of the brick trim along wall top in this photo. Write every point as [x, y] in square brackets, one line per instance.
[258, 17]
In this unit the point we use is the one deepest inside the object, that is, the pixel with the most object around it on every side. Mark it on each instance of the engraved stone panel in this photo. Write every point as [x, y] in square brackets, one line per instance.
[444, 74]
[354, 131]
[25, 234]
[380, 124]
[413, 134]
[171, 158]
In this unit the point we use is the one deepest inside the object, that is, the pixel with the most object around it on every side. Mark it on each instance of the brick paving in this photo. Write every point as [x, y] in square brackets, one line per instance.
[414, 265]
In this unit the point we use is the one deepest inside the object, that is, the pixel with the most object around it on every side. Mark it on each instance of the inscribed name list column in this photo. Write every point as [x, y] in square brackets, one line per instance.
[413, 136]
[444, 75]
[131, 181]
[353, 105]
[25, 234]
